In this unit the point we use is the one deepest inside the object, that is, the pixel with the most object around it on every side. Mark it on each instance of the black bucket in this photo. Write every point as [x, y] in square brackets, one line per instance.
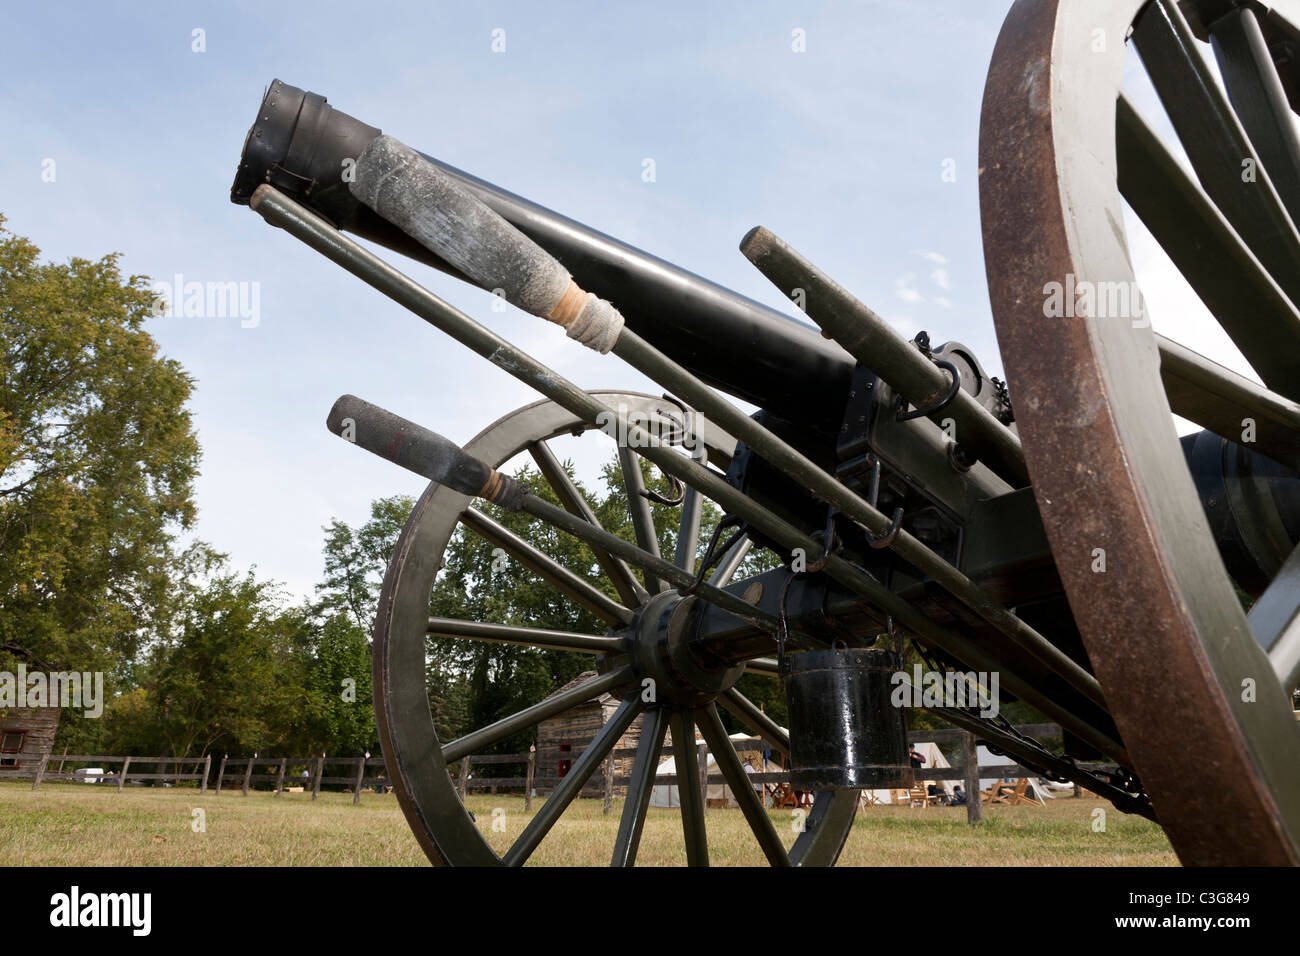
[844, 732]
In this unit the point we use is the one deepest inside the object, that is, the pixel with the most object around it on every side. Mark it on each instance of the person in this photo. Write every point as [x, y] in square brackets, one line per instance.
[918, 760]
[958, 796]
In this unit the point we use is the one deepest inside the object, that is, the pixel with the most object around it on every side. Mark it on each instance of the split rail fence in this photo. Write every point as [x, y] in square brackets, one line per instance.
[968, 770]
[243, 772]
[232, 773]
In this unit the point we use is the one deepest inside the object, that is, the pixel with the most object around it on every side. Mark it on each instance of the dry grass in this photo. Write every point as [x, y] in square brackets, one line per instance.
[83, 825]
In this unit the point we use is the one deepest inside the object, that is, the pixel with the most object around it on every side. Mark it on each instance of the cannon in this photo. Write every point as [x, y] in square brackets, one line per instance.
[1140, 589]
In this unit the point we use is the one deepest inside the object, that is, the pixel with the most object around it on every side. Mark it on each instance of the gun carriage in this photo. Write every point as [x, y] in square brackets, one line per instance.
[928, 502]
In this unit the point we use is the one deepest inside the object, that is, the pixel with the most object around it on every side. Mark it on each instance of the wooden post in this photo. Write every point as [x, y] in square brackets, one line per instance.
[464, 777]
[971, 770]
[221, 772]
[320, 770]
[704, 773]
[248, 774]
[121, 778]
[528, 778]
[65, 753]
[361, 776]
[207, 769]
[40, 772]
[609, 784]
[279, 777]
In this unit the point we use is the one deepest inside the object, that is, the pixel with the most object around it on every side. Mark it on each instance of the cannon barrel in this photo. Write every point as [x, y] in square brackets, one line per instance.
[306, 148]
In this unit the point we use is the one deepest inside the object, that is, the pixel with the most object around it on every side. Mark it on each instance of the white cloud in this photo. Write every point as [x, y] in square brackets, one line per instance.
[905, 327]
[903, 288]
[938, 257]
[943, 301]
[940, 278]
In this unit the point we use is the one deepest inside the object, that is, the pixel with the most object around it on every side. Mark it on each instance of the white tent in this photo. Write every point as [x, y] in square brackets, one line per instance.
[667, 794]
[933, 758]
[1037, 788]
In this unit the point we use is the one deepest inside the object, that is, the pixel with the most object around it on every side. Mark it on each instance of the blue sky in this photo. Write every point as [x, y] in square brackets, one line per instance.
[839, 149]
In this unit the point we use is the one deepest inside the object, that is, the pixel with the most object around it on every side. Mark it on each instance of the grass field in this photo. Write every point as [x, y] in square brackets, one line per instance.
[84, 825]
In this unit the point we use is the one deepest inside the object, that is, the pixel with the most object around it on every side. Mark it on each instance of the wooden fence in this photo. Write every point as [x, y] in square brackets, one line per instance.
[968, 770]
[312, 777]
[41, 771]
[121, 770]
[241, 772]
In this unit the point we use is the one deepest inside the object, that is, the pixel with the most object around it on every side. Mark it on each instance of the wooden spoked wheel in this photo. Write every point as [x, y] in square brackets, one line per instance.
[1199, 691]
[418, 761]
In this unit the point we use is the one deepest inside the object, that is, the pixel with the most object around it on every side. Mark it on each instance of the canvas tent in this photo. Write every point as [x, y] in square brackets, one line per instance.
[933, 758]
[1037, 789]
[666, 794]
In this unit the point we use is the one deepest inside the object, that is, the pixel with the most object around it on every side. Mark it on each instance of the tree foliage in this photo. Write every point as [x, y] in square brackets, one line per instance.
[356, 559]
[233, 677]
[97, 461]
[338, 689]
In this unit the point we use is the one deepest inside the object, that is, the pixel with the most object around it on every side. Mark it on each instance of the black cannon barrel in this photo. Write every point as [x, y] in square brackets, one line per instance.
[306, 148]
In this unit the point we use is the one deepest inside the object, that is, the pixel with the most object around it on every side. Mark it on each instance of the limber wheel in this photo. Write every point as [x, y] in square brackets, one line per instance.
[636, 643]
[1200, 692]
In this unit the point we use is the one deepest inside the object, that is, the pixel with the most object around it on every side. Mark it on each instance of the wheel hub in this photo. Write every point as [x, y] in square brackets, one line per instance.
[663, 660]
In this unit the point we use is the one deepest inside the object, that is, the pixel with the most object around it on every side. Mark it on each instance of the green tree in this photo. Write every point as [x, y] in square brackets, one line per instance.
[356, 559]
[234, 676]
[338, 687]
[97, 461]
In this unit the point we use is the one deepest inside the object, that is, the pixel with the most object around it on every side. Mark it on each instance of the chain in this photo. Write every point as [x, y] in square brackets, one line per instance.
[1134, 799]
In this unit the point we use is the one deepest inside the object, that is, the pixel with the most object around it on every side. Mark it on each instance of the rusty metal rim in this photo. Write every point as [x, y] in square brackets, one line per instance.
[1163, 628]
[411, 748]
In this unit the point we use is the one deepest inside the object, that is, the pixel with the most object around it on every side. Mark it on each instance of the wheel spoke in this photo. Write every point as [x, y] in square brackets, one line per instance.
[639, 787]
[715, 735]
[643, 522]
[1275, 621]
[1221, 400]
[757, 721]
[766, 666]
[486, 736]
[1256, 93]
[619, 574]
[1224, 273]
[688, 532]
[728, 602]
[1215, 142]
[682, 724]
[564, 580]
[526, 636]
[573, 781]
[731, 562]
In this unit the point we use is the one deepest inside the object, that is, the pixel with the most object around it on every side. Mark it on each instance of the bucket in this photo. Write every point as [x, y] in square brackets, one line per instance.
[844, 732]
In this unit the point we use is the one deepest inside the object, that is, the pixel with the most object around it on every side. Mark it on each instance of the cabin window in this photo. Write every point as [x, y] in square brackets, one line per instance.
[565, 762]
[11, 742]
